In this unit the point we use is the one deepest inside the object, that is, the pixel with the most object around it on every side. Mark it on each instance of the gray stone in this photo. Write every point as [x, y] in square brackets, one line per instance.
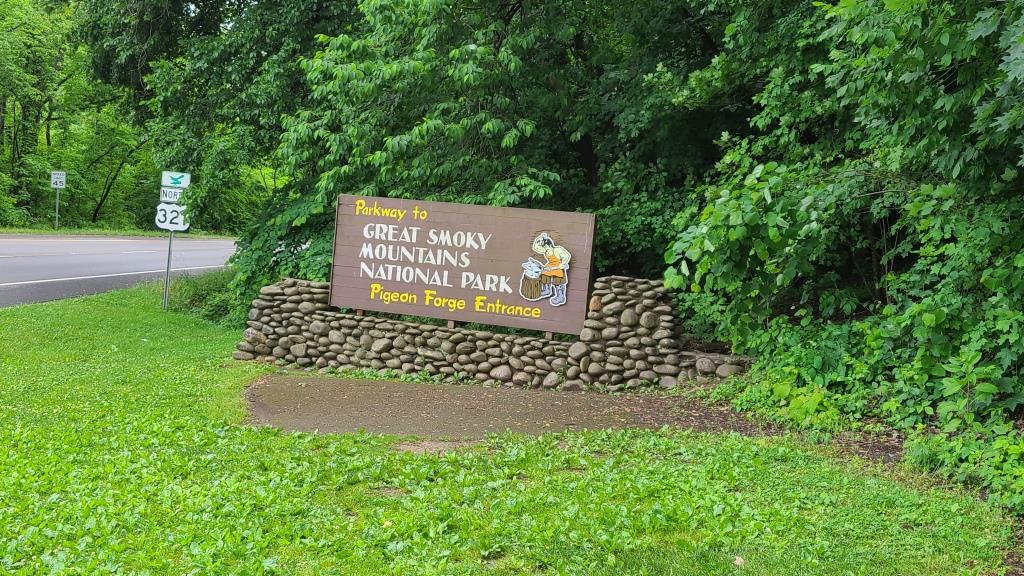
[629, 318]
[436, 355]
[382, 345]
[501, 373]
[726, 370]
[649, 320]
[571, 386]
[319, 328]
[298, 350]
[584, 363]
[705, 366]
[609, 333]
[307, 307]
[667, 382]
[522, 379]
[552, 380]
[613, 308]
[272, 290]
[589, 335]
[240, 355]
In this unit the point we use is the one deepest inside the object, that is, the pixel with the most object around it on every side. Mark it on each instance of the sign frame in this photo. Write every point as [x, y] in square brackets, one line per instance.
[516, 234]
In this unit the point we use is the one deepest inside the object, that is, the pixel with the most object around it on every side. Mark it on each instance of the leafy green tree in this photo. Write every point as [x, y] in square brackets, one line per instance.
[864, 235]
[548, 105]
[54, 115]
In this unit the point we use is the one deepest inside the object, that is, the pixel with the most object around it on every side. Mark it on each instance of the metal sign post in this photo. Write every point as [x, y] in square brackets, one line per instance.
[170, 216]
[57, 181]
[167, 273]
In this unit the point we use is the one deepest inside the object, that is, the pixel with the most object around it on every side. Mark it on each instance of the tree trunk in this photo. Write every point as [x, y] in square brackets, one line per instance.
[49, 118]
[108, 185]
[3, 124]
[14, 135]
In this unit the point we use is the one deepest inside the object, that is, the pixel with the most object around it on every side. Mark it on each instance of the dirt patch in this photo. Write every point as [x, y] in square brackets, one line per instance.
[449, 417]
[446, 412]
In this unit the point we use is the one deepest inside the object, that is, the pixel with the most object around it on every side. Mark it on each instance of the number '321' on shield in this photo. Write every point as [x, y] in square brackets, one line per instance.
[171, 217]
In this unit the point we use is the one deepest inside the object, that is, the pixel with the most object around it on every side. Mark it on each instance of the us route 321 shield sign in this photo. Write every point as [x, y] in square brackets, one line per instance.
[171, 217]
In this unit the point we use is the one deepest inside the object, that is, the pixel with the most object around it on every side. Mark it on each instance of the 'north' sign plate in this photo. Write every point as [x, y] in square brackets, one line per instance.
[172, 195]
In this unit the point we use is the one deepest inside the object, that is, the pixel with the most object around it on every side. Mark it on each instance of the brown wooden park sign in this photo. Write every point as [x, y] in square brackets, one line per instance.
[501, 266]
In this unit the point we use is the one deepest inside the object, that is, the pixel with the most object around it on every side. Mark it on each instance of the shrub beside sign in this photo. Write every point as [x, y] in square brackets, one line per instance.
[501, 266]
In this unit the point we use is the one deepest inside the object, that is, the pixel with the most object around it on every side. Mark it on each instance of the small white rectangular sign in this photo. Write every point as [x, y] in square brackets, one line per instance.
[175, 179]
[170, 195]
[171, 217]
[57, 179]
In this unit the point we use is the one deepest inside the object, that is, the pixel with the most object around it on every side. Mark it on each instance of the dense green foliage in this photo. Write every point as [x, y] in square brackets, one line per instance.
[56, 115]
[866, 239]
[53, 116]
[208, 296]
[838, 185]
[541, 105]
[123, 452]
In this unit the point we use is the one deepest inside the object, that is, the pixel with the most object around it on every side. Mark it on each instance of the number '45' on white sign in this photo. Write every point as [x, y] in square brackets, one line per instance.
[171, 217]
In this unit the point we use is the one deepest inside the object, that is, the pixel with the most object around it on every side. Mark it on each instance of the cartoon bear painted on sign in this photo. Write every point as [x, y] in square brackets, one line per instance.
[550, 278]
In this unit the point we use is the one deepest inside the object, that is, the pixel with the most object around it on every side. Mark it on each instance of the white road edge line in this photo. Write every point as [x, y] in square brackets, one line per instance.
[107, 275]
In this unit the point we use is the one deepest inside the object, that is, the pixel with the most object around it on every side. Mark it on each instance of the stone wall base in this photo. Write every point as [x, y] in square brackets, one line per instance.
[630, 339]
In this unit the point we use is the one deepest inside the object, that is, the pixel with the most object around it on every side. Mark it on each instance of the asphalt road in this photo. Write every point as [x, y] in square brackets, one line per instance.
[36, 268]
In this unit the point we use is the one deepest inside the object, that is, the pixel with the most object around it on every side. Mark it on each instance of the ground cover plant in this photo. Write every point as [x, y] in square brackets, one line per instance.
[123, 450]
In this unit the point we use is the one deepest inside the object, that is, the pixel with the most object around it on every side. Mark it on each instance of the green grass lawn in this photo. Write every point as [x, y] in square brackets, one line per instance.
[123, 451]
